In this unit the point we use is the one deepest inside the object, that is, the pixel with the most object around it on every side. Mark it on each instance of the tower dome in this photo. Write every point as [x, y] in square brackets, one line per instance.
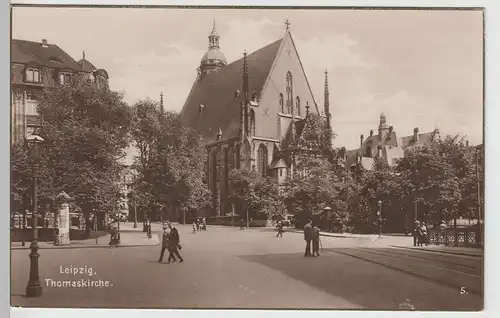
[213, 59]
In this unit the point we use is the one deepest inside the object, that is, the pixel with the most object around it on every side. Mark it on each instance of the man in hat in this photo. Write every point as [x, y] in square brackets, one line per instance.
[280, 229]
[174, 243]
[308, 236]
[416, 233]
[164, 243]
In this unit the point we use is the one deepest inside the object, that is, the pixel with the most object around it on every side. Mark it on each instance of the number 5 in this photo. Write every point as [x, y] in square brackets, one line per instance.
[463, 291]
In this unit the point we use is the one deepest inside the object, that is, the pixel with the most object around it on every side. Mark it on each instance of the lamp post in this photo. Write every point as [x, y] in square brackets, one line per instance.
[34, 289]
[379, 213]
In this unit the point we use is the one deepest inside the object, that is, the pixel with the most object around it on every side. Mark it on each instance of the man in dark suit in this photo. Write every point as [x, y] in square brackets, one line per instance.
[308, 236]
[164, 243]
[175, 240]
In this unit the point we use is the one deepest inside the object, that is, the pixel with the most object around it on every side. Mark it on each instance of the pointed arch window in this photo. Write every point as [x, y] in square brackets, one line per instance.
[282, 108]
[289, 92]
[262, 160]
[252, 122]
[297, 105]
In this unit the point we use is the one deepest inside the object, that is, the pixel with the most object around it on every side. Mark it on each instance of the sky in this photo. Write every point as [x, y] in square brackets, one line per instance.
[420, 68]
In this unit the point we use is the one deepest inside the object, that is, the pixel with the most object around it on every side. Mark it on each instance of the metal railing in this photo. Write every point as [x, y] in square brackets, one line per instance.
[468, 237]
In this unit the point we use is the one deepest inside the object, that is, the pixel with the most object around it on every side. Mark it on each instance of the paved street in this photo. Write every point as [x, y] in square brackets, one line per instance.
[229, 268]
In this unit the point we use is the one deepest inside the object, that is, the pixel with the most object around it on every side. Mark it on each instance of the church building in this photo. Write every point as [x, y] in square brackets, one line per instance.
[250, 113]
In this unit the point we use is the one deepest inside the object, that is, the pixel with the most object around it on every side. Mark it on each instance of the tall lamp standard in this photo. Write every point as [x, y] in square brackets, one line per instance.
[379, 213]
[34, 289]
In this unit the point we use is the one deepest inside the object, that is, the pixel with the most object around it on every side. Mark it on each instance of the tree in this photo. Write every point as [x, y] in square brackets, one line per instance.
[259, 196]
[439, 177]
[86, 133]
[171, 160]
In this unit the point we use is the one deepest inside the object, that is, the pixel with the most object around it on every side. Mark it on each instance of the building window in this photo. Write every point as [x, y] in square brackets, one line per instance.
[33, 75]
[281, 172]
[297, 105]
[64, 78]
[282, 109]
[31, 105]
[252, 122]
[289, 93]
[262, 160]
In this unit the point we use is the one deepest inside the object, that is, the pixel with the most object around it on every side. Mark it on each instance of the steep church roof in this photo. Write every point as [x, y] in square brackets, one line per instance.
[216, 91]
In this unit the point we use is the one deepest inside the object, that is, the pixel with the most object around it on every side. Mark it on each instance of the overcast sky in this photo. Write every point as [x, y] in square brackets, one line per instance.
[421, 68]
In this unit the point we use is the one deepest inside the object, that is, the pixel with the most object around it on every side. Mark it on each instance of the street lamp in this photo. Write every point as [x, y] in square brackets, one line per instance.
[34, 289]
[379, 213]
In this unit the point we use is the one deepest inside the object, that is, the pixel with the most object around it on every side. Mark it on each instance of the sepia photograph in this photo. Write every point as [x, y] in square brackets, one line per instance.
[247, 158]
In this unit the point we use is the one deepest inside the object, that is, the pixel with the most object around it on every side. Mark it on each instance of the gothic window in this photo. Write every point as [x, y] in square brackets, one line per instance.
[252, 122]
[368, 152]
[282, 108]
[297, 105]
[226, 168]
[289, 93]
[237, 157]
[230, 158]
[262, 160]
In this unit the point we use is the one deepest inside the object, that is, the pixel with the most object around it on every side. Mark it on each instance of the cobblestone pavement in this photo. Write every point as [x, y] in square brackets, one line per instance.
[229, 268]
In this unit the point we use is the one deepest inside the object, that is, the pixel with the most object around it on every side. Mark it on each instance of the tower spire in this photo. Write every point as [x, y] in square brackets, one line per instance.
[245, 93]
[327, 101]
[213, 38]
[287, 24]
[83, 55]
[161, 102]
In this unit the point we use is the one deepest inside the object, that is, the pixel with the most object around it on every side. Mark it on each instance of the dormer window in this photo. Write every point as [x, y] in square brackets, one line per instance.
[64, 78]
[33, 75]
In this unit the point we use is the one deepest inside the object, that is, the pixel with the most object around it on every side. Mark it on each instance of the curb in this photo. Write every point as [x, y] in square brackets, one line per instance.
[439, 251]
[333, 235]
[74, 247]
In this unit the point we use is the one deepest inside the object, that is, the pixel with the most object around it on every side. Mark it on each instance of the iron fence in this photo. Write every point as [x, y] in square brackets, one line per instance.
[470, 237]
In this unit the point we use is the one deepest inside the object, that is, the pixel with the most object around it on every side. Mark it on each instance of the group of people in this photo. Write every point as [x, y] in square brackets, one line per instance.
[420, 234]
[199, 225]
[171, 243]
[311, 235]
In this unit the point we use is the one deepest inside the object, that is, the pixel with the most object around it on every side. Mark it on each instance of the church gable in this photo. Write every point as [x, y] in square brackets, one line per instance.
[286, 87]
[216, 98]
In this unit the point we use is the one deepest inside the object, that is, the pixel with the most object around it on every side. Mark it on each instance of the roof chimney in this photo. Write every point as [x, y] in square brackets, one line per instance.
[371, 133]
[361, 138]
[415, 134]
[467, 143]
[391, 128]
[44, 43]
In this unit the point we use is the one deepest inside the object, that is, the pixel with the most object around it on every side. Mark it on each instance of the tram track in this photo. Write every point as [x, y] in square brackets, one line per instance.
[429, 260]
[472, 284]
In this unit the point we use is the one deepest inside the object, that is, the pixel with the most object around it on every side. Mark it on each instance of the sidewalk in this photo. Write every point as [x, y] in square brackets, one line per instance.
[466, 251]
[128, 239]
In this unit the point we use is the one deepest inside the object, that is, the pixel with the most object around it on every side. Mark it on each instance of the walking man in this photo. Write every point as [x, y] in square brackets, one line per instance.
[280, 229]
[174, 243]
[164, 244]
[242, 224]
[308, 237]
[416, 233]
[315, 240]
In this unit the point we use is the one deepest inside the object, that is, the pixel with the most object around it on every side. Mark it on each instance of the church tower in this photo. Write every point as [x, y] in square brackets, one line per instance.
[213, 59]
[383, 129]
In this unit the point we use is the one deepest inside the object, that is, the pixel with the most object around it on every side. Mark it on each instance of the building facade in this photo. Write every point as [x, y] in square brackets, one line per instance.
[250, 112]
[387, 145]
[36, 66]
